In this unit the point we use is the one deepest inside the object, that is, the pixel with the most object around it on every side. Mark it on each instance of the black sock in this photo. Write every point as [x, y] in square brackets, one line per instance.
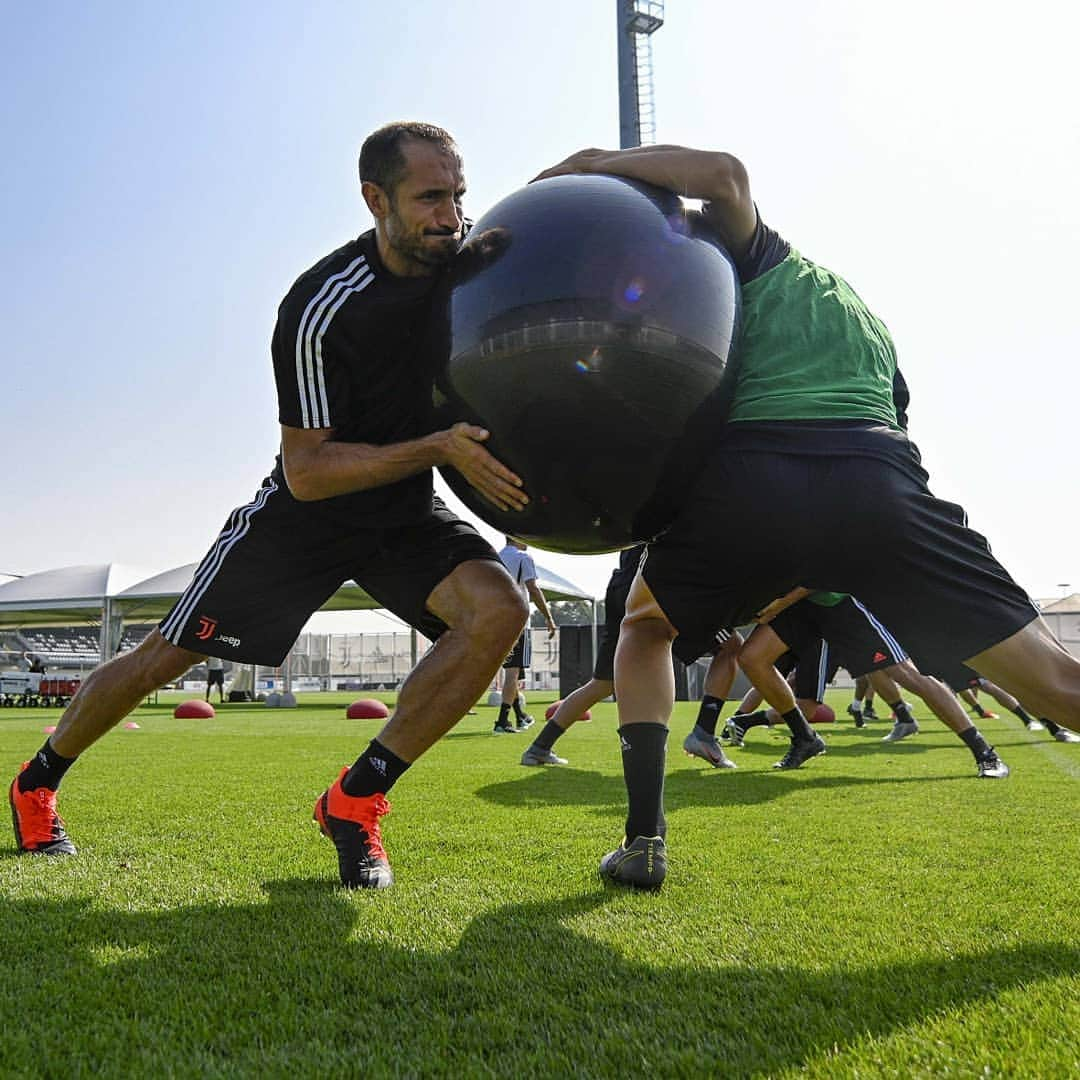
[903, 713]
[1024, 716]
[45, 770]
[976, 743]
[374, 772]
[643, 751]
[546, 739]
[800, 729]
[979, 711]
[709, 713]
[504, 714]
[1051, 726]
[752, 719]
[519, 712]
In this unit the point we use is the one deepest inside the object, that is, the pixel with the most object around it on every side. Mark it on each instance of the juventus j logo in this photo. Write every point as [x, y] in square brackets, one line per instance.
[206, 627]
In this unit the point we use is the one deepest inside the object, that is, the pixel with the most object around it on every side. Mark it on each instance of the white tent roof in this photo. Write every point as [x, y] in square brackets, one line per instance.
[77, 594]
[1068, 605]
[68, 594]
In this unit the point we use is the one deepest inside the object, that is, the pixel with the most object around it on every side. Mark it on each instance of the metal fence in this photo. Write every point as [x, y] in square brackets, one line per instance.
[375, 661]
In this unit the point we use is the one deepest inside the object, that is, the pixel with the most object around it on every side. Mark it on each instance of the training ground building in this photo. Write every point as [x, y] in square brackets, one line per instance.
[75, 618]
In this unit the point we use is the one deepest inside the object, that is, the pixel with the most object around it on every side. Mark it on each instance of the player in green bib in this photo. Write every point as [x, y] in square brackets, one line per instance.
[817, 419]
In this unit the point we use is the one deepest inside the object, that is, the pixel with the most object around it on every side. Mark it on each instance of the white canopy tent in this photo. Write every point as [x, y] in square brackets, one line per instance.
[112, 594]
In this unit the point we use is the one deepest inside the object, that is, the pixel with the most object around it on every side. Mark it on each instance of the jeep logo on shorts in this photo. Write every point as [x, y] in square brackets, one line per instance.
[225, 639]
[206, 628]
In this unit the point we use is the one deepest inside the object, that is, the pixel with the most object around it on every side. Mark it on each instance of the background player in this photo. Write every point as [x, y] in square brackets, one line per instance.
[517, 560]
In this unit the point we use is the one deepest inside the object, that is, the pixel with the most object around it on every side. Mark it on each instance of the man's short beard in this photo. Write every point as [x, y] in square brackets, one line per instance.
[415, 249]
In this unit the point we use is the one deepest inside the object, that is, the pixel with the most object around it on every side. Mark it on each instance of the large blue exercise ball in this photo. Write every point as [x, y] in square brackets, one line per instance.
[589, 327]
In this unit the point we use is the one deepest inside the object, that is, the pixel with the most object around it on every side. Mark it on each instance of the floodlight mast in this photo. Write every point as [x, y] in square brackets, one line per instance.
[638, 20]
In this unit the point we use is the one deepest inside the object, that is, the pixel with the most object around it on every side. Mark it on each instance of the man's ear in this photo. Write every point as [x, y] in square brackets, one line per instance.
[378, 202]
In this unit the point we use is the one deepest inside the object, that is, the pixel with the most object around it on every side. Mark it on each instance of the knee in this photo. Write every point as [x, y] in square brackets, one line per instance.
[647, 626]
[157, 661]
[512, 615]
[495, 617]
[751, 659]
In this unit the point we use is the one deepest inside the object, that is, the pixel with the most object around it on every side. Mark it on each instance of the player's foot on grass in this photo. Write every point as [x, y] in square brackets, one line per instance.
[902, 729]
[707, 747]
[856, 715]
[539, 756]
[1035, 725]
[39, 829]
[733, 732]
[801, 751]
[1064, 735]
[868, 712]
[991, 767]
[641, 864]
[503, 729]
[525, 722]
[353, 824]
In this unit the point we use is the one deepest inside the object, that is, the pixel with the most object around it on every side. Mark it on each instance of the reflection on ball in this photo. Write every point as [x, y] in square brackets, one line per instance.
[589, 330]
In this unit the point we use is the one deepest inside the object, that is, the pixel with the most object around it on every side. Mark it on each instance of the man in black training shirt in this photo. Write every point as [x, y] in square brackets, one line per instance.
[350, 496]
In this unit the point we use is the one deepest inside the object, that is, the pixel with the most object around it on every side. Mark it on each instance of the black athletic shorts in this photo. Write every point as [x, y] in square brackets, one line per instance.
[276, 563]
[742, 539]
[521, 654]
[811, 672]
[215, 677]
[614, 610]
[956, 676]
[608, 638]
[852, 636]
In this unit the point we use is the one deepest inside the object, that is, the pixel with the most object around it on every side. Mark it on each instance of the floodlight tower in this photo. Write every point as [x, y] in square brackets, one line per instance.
[638, 20]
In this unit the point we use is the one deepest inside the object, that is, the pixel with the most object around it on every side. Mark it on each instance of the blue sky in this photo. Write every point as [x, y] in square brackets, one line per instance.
[170, 169]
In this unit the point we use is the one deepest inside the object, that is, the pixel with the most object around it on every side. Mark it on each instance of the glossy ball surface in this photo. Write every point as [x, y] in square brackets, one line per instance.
[589, 329]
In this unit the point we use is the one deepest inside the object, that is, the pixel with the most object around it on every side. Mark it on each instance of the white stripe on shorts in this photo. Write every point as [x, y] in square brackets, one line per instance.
[237, 527]
[899, 656]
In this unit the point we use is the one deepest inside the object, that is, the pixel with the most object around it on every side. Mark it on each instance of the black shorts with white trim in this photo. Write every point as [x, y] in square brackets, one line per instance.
[913, 561]
[275, 563]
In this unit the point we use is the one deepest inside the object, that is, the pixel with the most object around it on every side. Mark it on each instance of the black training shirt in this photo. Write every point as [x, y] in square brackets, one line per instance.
[349, 354]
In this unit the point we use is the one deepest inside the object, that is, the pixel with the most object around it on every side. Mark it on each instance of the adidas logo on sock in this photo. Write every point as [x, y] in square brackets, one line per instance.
[378, 765]
[624, 744]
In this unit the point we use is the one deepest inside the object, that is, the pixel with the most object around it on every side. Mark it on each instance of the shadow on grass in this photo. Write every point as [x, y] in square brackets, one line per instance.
[721, 787]
[305, 983]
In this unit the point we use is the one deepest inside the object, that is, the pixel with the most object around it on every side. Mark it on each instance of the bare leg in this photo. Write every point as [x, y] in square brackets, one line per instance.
[646, 683]
[114, 689]
[751, 700]
[510, 686]
[1002, 697]
[862, 688]
[575, 705]
[940, 700]
[486, 615]
[723, 668]
[757, 658]
[643, 671]
[1034, 666]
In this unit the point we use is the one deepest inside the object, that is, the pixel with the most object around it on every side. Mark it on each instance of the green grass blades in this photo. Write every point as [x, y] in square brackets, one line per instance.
[879, 912]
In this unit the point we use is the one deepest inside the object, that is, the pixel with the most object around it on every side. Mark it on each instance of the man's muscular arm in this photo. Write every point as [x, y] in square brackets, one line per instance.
[781, 603]
[318, 467]
[718, 178]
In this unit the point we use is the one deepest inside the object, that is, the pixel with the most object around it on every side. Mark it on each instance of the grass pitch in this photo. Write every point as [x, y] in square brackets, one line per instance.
[879, 912]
